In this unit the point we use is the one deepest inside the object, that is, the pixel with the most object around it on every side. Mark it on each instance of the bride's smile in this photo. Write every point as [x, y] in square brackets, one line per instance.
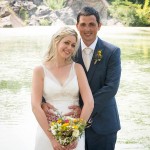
[66, 47]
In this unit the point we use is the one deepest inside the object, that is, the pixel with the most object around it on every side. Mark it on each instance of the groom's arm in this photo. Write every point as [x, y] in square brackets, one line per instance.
[104, 95]
[43, 100]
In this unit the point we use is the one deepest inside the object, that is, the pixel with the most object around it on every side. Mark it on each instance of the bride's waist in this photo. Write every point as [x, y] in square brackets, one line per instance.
[62, 105]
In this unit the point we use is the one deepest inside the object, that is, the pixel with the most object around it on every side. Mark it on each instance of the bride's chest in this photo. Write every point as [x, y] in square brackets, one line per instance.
[54, 89]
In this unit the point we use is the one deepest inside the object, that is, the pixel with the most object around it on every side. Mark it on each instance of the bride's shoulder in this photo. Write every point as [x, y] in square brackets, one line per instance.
[38, 69]
[78, 68]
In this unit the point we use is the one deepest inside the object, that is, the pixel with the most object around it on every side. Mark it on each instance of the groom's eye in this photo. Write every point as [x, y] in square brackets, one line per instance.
[92, 24]
[73, 45]
[82, 24]
[67, 43]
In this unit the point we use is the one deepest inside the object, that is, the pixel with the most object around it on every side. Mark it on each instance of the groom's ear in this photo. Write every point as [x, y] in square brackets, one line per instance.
[99, 25]
[77, 26]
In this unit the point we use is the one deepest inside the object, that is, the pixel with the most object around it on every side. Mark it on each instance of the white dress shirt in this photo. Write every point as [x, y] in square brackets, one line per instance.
[88, 57]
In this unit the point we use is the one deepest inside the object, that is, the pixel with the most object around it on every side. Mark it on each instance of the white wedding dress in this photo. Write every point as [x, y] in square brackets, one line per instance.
[61, 96]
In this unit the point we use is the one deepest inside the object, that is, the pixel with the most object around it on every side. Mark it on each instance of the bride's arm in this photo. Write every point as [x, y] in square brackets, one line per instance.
[37, 89]
[85, 91]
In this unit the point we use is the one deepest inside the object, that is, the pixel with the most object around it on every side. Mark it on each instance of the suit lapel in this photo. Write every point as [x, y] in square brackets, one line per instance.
[92, 65]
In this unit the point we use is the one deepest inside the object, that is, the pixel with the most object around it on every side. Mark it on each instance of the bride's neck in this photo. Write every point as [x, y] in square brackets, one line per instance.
[59, 63]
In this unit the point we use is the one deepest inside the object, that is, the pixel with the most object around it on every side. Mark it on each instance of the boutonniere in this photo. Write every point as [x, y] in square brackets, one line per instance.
[98, 56]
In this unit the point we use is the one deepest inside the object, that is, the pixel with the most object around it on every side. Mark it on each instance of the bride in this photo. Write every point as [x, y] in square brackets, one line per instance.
[59, 80]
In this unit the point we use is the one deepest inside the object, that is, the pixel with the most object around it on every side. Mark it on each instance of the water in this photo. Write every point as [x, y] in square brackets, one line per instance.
[21, 49]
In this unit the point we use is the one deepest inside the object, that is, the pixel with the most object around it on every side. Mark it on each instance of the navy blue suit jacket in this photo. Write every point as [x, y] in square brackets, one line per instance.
[104, 78]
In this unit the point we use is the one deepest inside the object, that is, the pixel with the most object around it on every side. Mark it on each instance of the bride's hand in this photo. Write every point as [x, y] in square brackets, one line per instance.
[57, 146]
[72, 145]
[75, 111]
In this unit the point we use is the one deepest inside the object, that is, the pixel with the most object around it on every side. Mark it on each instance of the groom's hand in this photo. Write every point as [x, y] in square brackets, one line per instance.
[49, 110]
[75, 111]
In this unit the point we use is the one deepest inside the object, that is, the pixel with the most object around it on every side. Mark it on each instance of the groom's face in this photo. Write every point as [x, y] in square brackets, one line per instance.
[88, 28]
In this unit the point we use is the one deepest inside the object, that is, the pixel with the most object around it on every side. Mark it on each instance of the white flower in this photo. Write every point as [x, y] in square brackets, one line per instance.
[53, 131]
[75, 133]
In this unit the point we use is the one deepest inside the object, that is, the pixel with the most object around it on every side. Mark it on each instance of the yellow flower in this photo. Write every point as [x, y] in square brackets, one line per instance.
[52, 123]
[99, 53]
[75, 127]
[75, 120]
[65, 124]
[98, 56]
[80, 119]
[59, 121]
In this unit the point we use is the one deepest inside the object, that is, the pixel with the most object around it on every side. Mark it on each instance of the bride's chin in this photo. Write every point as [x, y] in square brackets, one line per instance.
[67, 57]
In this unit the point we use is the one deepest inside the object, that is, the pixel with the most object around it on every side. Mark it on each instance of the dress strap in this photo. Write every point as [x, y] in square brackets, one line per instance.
[72, 71]
[44, 69]
[73, 64]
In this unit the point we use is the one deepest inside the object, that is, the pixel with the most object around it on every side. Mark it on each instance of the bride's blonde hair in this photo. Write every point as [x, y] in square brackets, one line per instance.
[56, 38]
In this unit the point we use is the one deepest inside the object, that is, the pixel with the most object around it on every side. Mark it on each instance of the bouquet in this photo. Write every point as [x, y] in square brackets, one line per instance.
[66, 129]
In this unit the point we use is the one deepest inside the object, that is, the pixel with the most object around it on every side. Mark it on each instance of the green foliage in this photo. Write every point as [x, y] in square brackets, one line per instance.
[55, 4]
[23, 13]
[147, 4]
[133, 1]
[10, 85]
[44, 22]
[143, 17]
[131, 14]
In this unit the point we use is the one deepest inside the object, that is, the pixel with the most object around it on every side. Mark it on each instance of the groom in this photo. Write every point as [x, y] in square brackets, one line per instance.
[102, 64]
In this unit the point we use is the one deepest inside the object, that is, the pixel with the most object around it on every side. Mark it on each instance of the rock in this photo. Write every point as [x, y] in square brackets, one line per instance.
[6, 22]
[58, 22]
[37, 2]
[29, 6]
[70, 21]
[16, 9]
[4, 11]
[113, 21]
[68, 16]
[42, 10]
[53, 16]
[34, 23]
[4, 3]
[36, 12]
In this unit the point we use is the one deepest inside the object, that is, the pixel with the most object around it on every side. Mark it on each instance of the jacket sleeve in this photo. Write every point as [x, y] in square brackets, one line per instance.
[105, 95]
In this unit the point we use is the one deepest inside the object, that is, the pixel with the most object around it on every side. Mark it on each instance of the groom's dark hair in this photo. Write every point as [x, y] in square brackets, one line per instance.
[88, 11]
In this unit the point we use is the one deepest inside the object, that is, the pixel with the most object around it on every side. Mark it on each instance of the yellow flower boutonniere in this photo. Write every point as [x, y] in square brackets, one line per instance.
[98, 56]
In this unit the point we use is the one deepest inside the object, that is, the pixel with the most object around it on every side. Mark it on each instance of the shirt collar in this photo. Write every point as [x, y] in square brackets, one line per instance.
[92, 46]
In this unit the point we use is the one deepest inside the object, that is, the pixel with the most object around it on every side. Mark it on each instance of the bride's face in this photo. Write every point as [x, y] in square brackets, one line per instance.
[66, 46]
